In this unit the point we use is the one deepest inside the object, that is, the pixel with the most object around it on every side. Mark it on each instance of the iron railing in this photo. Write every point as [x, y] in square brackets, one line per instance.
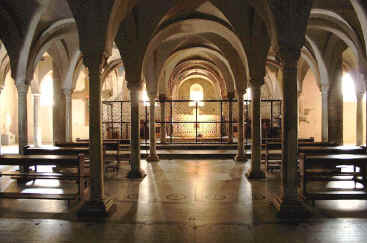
[189, 121]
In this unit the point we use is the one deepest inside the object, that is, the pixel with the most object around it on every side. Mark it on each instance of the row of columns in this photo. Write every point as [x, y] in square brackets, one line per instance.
[325, 115]
[22, 90]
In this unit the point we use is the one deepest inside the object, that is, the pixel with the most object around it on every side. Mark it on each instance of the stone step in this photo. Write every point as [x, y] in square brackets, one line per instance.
[181, 154]
[187, 147]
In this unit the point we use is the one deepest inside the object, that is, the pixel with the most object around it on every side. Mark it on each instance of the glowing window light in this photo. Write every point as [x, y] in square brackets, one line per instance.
[47, 91]
[349, 91]
[146, 98]
[196, 94]
[247, 95]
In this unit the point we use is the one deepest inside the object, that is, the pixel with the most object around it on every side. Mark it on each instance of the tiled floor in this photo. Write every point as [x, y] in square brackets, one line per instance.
[180, 201]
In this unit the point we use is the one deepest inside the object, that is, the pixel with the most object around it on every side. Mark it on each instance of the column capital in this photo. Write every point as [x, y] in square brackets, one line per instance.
[289, 56]
[67, 92]
[134, 85]
[22, 88]
[325, 89]
[256, 82]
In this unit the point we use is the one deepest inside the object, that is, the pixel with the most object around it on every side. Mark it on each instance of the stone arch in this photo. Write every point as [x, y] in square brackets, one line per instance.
[209, 56]
[362, 17]
[69, 77]
[203, 68]
[330, 27]
[55, 32]
[228, 43]
[4, 68]
[313, 65]
[10, 36]
[322, 75]
[111, 66]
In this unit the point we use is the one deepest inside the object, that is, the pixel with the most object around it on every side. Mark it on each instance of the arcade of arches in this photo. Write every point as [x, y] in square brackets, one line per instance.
[171, 72]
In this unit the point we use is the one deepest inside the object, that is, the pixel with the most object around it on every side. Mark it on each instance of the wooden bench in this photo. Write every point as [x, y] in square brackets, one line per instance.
[68, 150]
[120, 141]
[273, 153]
[278, 140]
[108, 145]
[64, 161]
[324, 168]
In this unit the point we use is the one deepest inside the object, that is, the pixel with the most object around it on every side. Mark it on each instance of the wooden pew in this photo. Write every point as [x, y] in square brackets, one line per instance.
[53, 150]
[64, 161]
[278, 140]
[273, 153]
[324, 168]
[108, 145]
[120, 141]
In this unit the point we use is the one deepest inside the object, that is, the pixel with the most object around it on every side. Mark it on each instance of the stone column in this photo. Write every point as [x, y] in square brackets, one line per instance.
[162, 98]
[230, 117]
[136, 171]
[58, 111]
[359, 118]
[68, 115]
[1, 89]
[288, 204]
[36, 131]
[22, 116]
[98, 204]
[256, 172]
[335, 107]
[240, 154]
[153, 157]
[325, 113]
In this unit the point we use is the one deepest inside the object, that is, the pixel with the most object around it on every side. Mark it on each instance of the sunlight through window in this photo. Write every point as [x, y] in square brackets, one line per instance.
[247, 95]
[196, 94]
[349, 91]
[47, 90]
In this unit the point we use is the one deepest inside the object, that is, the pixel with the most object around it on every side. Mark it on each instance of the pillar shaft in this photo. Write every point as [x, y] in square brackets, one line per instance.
[36, 131]
[163, 119]
[58, 114]
[95, 136]
[359, 119]
[152, 137]
[289, 131]
[230, 117]
[68, 115]
[1, 88]
[136, 171]
[256, 171]
[22, 116]
[240, 154]
[98, 204]
[325, 115]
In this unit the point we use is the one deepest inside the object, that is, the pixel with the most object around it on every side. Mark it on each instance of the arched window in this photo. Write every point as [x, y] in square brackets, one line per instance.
[349, 90]
[196, 94]
[47, 90]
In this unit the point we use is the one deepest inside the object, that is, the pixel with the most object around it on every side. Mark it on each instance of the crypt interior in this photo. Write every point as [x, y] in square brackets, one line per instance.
[173, 108]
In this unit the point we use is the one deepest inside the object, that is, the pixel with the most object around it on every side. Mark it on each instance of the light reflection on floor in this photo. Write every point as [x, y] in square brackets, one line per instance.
[180, 201]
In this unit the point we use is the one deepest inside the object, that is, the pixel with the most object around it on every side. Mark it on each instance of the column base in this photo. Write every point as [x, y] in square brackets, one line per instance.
[136, 174]
[152, 158]
[240, 158]
[290, 208]
[257, 174]
[101, 208]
